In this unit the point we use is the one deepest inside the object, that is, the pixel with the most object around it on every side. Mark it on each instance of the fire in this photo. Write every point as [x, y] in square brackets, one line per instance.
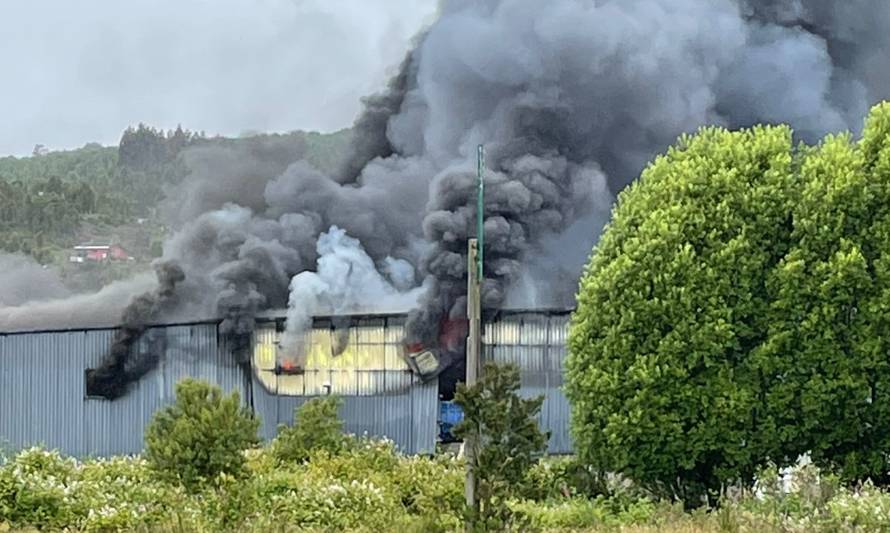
[289, 367]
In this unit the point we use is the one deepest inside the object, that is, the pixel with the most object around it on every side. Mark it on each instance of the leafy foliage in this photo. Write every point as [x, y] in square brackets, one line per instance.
[316, 427]
[503, 431]
[371, 488]
[203, 434]
[575, 513]
[734, 312]
[563, 477]
[826, 357]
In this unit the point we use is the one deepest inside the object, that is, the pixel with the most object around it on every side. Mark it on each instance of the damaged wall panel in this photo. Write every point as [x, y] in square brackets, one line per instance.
[349, 356]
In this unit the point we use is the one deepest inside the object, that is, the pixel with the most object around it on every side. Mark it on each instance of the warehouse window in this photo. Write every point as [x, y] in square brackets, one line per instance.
[89, 386]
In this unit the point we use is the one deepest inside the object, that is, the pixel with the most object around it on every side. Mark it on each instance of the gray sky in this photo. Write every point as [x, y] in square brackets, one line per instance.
[81, 71]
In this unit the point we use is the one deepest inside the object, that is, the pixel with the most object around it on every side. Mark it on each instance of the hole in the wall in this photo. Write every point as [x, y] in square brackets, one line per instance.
[89, 386]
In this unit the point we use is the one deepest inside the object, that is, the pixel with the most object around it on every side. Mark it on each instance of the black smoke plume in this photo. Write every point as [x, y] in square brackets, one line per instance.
[120, 368]
[571, 98]
[249, 216]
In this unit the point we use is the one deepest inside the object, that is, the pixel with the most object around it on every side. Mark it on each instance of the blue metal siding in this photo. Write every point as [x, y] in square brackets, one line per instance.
[42, 393]
[535, 342]
[408, 418]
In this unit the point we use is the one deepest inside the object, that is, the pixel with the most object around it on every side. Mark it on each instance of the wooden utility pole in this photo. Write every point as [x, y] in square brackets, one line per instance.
[474, 315]
[473, 356]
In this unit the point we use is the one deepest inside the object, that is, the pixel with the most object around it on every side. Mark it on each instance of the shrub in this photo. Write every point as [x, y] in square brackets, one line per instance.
[122, 494]
[316, 427]
[366, 486]
[734, 312]
[583, 513]
[502, 432]
[40, 489]
[563, 477]
[200, 436]
[432, 487]
[35, 490]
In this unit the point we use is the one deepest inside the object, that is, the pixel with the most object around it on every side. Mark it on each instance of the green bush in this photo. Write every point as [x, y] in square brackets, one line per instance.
[803, 498]
[45, 490]
[35, 490]
[122, 494]
[316, 427]
[432, 487]
[734, 312]
[366, 486]
[422, 486]
[369, 487]
[203, 434]
[583, 513]
[563, 477]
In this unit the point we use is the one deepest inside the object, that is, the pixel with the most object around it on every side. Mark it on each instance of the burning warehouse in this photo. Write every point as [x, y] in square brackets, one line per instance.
[46, 398]
[571, 102]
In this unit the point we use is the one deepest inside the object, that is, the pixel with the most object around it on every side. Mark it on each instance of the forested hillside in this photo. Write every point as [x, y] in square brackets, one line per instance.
[52, 201]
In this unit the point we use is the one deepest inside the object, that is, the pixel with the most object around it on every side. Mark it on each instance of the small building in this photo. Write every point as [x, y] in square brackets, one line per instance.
[98, 252]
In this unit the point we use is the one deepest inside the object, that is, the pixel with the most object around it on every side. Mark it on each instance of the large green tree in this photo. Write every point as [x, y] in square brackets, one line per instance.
[736, 310]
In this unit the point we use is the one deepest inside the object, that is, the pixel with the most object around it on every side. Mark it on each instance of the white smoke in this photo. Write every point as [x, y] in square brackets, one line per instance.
[346, 281]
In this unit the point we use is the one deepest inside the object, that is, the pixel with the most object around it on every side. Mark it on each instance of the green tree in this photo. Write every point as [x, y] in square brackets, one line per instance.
[735, 310]
[507, 441]
[200, 436]
[316, 427]
[828, 351]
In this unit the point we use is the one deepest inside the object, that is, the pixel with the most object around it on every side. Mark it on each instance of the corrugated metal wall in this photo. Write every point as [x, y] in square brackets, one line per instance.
[42, 385]
[43, 394]
[536, 343]
[43, 397]
[408, 418]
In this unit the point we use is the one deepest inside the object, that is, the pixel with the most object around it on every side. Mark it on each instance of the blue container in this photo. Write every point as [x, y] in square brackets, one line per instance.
[449, 415]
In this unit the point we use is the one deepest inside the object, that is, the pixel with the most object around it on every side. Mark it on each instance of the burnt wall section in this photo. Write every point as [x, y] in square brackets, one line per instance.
[359, 355]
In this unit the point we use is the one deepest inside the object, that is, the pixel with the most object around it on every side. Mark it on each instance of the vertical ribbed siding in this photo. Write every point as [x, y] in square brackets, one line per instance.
[536, 343]
[43, 397]
[42, 388]
[187, 351]
[408, 419]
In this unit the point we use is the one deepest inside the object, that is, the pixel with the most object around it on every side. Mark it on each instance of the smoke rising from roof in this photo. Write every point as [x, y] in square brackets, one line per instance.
[574, 99]
[121, 367]
[346, 280]
[571, 101]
